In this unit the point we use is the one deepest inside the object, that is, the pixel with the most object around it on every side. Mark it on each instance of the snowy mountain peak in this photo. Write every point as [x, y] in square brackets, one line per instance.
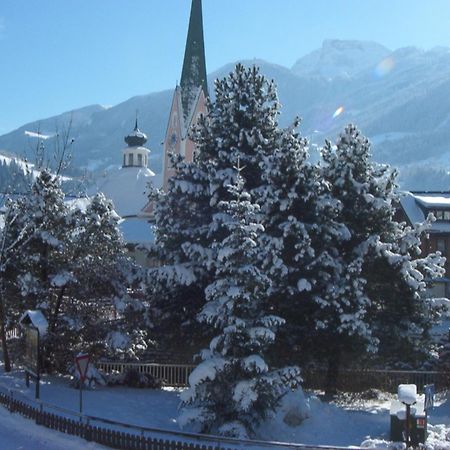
[340, 59]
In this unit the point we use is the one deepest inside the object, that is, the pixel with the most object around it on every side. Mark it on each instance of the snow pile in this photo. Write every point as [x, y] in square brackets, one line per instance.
[438, 437]
[407, 393]
[382, 444]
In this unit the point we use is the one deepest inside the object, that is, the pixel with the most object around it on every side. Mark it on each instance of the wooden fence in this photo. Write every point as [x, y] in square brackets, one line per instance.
[128, 437]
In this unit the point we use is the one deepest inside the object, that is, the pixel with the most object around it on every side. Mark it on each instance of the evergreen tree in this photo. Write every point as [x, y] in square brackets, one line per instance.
[44, 215]
[300, 234]
[103, 274]
[182, 216]
[72, 266]
[377, 301]
[241, 124]
[232, 390]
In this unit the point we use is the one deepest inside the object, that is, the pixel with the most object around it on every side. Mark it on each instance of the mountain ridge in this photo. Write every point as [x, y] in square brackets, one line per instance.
[397, 101]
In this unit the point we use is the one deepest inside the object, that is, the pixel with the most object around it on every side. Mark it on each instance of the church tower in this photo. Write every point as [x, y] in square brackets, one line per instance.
[189, 99]
[135, 155]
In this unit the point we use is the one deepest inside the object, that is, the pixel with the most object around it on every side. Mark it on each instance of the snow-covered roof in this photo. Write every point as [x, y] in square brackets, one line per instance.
[127, 188]
[412, 210]
[415, 207]
[137, 230]
[434, 200]
[36, 318]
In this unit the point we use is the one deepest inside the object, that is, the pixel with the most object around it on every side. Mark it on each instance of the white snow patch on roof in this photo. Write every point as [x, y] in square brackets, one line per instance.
[127, 188]
[37, 319]
[434, 201]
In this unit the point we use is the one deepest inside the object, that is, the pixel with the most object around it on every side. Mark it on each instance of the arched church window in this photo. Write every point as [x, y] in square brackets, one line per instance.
[130, 159]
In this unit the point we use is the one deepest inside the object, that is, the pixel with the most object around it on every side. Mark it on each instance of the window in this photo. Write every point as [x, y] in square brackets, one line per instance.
[439, 214]
[124, 160]
[139, 160]
[441, 246]
[130, 159]
[442, 214]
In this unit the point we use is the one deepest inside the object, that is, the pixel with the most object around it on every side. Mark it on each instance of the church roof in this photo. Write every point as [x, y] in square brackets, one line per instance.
[136, 138]
[193, 74]
[127, 188]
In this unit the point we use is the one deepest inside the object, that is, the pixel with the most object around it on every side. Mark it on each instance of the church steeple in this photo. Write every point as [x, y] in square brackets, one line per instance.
[193, 75]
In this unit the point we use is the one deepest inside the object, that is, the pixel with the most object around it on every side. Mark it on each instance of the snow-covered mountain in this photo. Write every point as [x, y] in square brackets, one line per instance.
[340, 59]
[398, 99]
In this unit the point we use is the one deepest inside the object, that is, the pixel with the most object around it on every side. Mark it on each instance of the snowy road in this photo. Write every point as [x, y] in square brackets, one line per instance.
[17, 433]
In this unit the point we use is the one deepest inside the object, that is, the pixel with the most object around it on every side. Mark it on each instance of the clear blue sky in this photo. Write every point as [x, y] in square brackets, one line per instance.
[57, 55]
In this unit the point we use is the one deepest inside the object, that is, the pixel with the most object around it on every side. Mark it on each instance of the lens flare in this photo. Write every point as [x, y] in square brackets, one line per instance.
[384, 67]
[338, 112]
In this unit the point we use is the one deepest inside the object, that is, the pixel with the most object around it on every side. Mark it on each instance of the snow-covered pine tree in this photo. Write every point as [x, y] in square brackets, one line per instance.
[71, 265]
[232, 390]
[241, 124]
[300, 234]
[103, 274]
[11, 245]
[182, 217]
[377, 302]
[44, 216]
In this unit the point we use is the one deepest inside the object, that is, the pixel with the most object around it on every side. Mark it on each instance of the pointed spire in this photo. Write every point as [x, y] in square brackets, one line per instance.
[193, 75]
[136, 126]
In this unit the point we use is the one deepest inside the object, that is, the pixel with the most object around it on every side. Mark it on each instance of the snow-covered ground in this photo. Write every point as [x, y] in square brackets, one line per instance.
[351, 421]
[17, 433]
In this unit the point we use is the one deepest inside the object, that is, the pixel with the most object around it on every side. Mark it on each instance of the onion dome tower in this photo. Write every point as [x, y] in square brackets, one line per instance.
[135, 155]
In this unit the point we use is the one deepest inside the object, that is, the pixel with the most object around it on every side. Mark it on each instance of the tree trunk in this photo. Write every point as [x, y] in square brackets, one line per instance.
[334, 362]
[54, 319]
[6, 359]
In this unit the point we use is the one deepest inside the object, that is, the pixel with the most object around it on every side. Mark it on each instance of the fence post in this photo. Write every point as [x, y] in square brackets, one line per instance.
[39, 414]
[11, 401]
[87, 430]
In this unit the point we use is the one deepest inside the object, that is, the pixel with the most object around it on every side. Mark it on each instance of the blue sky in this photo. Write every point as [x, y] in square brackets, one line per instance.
[57, 55]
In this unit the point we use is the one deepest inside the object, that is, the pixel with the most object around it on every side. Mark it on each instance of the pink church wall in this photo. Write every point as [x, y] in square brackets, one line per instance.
[174, 128]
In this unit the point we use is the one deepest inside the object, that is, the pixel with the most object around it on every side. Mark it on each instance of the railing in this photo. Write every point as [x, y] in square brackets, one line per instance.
[129, 437]
[175, 375]
[13, 333]
[350, 380]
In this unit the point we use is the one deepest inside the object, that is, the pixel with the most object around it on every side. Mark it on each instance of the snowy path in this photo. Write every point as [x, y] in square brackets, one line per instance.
[17, 433]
